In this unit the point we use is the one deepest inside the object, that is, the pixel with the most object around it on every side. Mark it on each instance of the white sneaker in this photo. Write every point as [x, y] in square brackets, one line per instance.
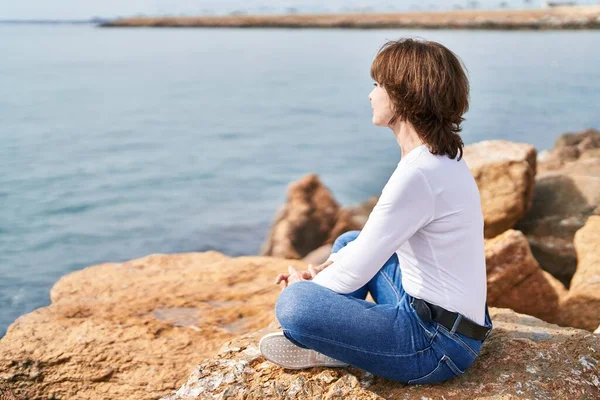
[276, 348]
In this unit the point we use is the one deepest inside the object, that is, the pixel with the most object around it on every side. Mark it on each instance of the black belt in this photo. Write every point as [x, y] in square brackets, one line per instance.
[427, 312]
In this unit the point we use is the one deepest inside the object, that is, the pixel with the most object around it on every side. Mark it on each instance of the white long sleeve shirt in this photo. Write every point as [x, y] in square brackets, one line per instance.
[429, 214]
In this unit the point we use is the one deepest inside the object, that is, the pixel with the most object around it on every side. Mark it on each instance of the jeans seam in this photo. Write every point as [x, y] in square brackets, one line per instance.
[435, 332]
[389, 280]
[428, 348]
[444, 360]
[453, 366]
[421, 323]
[457, 339]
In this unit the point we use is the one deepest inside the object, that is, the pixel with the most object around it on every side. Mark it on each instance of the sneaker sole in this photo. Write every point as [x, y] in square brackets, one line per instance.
[276, 348]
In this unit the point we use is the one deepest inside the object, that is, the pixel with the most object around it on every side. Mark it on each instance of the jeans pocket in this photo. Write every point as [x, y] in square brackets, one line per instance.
[429, 327]
[445, 369]
[471, 346]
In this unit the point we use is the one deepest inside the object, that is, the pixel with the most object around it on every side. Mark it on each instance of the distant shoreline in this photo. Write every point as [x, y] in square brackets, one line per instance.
[575, 17]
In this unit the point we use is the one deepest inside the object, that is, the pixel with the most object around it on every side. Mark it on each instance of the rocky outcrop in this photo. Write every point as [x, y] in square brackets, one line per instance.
[524, 357]
[569, 147]
[353, 217]
[136, 329]
[304, 222]
[581, 307]
[516, 281]
[319, 255]
[505, 175]
[567, 192]
[311, 218]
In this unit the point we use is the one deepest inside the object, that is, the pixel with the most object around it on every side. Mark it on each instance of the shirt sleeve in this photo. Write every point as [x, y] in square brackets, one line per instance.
[405, 205]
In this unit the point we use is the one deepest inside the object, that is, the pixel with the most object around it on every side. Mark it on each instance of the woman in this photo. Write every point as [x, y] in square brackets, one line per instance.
[420, 253]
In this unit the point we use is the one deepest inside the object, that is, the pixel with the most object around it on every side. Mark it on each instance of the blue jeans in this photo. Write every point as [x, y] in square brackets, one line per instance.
[387, 339]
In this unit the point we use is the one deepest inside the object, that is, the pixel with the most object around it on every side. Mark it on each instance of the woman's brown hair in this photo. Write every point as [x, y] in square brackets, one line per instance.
[428, 87]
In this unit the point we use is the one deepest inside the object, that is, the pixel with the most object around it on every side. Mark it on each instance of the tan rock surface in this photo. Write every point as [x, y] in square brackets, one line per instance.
[581, 307]
[348, 219]
[505, 174]
[524, 357]
[569, 147]
[6, 394]
[516, 281]
[304, 222]
[136, 329]
[567, 192]
[319, 255]
[311, 218]
[357, 214]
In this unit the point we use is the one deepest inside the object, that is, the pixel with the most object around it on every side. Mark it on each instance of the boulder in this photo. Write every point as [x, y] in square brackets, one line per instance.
[523, 357]
[359, 214]
[318, 256]
[505, 174]
[567, 192]
[569, 147]
[516, 281]
[136, 329]
[581, 307]
[348, 219]
[304, 222]
[311, 218]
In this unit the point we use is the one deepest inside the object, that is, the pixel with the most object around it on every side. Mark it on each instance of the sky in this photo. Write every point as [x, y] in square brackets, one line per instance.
[77, 9]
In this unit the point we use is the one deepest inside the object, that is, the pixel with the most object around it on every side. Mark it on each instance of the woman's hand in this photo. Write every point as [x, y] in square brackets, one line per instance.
[296, 275]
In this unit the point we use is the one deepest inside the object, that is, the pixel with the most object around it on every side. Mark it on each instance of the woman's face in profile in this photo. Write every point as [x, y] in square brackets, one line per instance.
[381, 105]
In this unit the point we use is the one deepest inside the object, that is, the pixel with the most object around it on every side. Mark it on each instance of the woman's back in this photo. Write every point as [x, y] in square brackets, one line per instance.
[444, 261]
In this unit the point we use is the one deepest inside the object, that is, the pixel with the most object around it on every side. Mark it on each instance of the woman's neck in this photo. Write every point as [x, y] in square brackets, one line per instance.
[406, 136]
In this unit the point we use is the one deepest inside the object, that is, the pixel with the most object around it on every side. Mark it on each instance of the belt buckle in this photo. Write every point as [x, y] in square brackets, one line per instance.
[423, 310]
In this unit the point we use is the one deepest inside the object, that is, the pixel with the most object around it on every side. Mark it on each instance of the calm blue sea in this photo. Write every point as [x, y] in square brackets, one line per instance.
[119, 143]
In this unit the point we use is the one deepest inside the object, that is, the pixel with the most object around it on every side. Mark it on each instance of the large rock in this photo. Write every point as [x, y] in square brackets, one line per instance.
[310, 219]
[318, 256]
[581, 307]
[524, 357]
[569, 147]
[305, 221]
[567, 192]
[136, 329]
[516, 281]
[352, 218]
[505, 174]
